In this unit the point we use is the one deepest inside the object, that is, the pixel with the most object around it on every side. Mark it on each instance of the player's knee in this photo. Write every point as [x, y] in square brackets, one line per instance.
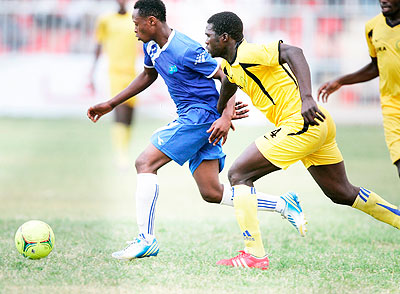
[234, 177]
[142, 165]
[212, 197]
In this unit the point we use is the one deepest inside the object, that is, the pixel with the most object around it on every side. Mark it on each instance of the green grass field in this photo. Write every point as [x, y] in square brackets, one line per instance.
[62, 172]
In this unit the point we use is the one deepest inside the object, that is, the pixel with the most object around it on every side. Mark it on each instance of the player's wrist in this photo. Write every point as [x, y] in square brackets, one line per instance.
[305, 97]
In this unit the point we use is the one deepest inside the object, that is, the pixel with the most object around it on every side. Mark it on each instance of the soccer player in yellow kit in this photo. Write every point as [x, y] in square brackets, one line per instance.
[383, 39]
[277, 79]
[114, 34]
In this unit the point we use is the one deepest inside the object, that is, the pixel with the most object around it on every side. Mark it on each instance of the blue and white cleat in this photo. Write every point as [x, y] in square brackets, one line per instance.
[138, 248]
[294, 213]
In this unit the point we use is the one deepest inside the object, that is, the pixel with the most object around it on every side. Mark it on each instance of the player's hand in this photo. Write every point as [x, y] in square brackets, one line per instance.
[326, 89]
[240, 111]
[219, 130]
[95, 112]
[311, 112]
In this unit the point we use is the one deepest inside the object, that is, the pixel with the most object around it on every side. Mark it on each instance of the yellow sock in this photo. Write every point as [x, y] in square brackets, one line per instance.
[245, 204]
[372, 204]
[121, 136]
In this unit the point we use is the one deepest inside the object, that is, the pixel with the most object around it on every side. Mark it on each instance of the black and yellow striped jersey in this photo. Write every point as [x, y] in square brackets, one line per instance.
[271, 86]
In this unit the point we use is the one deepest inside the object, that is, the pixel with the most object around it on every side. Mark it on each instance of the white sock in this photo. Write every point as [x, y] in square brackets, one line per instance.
[265, 202]
[146, 199]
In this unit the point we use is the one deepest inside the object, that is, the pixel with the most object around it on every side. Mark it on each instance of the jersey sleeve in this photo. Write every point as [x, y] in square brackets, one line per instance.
[224, 65]
[200, 61]
[101, 29]
[368, 35]
[147, 59]
[269, 54]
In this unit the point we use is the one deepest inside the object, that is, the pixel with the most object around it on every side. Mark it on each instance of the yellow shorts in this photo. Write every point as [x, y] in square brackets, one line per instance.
[118, 82]
[391, 125]
[315, 145]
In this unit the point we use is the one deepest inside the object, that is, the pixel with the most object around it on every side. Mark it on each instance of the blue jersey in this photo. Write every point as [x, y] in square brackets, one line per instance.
[186, 68]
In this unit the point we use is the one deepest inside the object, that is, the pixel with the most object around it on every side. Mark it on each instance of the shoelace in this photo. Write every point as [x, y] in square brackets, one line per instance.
[242, 254]
[134, 241]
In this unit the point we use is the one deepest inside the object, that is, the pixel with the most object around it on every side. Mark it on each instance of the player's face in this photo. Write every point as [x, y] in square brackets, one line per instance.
[390, 7]
[213, 42]
[144, 28]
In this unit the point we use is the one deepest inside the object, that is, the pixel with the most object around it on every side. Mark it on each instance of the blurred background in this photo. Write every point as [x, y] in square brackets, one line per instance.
[46, 51]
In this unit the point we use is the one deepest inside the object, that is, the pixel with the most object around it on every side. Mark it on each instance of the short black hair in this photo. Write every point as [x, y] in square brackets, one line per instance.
[227, 22]
[154, 8]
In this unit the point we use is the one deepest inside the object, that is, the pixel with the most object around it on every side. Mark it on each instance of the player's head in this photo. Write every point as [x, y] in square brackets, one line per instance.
[122, 4]
[147, 14]
[390, 7]
[223, 29]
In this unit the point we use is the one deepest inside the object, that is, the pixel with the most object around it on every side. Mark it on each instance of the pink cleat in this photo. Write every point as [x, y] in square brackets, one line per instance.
[246, 260]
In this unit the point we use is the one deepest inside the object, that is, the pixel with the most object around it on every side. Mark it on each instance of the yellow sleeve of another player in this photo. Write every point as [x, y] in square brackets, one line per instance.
[101, 29]
[225, 69]
[368, 35]
[269, 55]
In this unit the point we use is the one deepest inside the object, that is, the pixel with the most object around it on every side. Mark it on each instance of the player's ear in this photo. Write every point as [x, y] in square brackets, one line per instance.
[152, 20]
[224, 37]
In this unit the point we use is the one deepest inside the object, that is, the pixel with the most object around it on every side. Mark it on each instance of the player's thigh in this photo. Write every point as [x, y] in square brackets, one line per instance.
[206, 176]
[206, 153]
[182, 139]
[250, 166]
[290, 143]
[328, 152]
[391, 124]
[150, 160]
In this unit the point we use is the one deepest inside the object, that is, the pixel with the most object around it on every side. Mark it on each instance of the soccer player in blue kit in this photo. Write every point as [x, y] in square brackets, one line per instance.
[187, 70]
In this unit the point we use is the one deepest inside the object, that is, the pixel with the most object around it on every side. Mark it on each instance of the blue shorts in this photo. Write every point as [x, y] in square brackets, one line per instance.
[186, 139]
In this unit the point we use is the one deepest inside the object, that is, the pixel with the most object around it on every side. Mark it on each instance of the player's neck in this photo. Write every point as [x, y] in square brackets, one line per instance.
[122, 10]
[232, 52]
[393, 20]
[163, 34]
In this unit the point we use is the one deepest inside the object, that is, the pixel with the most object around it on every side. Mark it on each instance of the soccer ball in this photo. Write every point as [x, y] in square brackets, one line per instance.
[34, 239]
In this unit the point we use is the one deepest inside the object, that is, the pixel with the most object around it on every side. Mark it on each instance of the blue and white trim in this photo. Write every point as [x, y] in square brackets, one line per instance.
[364, 194]
[150, 226]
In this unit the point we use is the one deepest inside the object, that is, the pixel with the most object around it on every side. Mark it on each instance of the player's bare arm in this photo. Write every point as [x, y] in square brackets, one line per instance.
[141, 82]
[220, 128]
[239, 111]
[367, 73]
[228, 89]
[231, 110]
[294, 57]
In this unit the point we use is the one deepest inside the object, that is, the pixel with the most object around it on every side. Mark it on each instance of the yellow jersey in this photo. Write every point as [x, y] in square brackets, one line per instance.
[384, 44]
[116, 34]
[272, 87]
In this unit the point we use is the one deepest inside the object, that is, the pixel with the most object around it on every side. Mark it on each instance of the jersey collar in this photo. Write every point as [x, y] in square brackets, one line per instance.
[238, 45]
[171, 36]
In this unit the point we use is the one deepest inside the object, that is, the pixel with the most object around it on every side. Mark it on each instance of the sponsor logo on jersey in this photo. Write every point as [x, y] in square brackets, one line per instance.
[200, 58]
[153, 50]
[172, 69]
